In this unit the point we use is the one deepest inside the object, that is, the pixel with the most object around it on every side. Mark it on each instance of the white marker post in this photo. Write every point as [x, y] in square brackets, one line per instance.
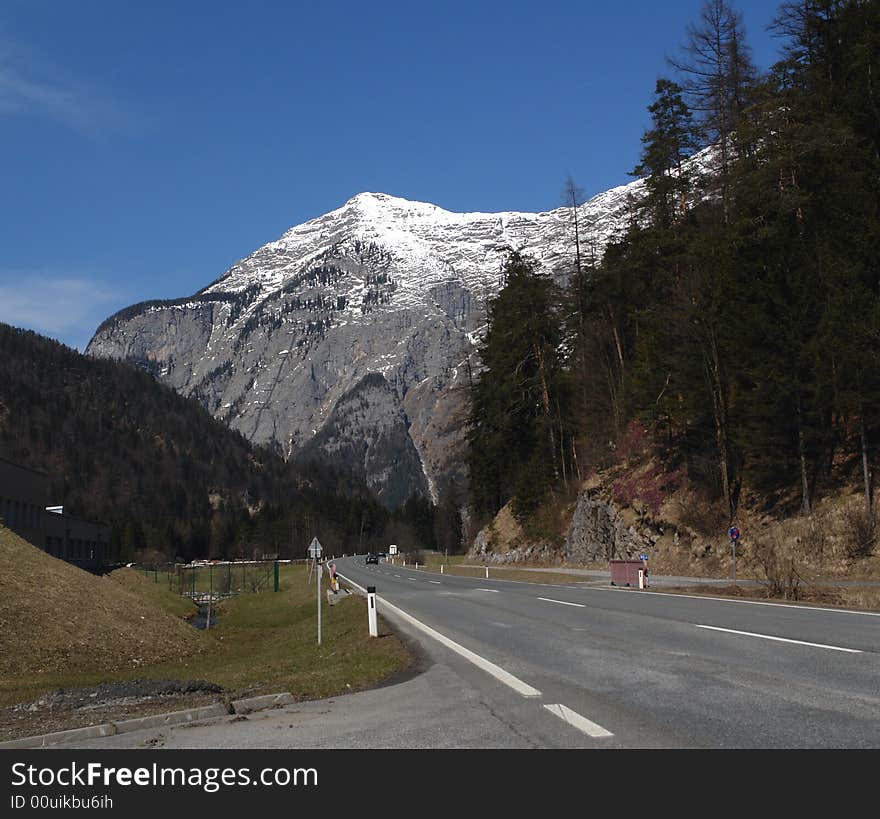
[371, 611]
[641, 578]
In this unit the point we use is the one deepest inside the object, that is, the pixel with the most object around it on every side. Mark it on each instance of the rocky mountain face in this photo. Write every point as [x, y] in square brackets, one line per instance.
[352, 337]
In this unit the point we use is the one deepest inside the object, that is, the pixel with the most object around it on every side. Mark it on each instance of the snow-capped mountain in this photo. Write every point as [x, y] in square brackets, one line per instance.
[351, 338]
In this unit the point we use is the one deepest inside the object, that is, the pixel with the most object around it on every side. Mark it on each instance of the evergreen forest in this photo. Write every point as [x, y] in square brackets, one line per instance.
[736, 321]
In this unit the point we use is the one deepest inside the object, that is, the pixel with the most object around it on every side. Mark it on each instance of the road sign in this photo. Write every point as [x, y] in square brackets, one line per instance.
[643, 557]
[392, 549]
[315, 549]
[733, 534]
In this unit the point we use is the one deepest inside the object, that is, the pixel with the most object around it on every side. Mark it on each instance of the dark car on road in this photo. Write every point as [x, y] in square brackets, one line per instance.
[372, 557]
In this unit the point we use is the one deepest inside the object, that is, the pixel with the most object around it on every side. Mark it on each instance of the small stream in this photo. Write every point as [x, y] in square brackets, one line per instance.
[200, 620]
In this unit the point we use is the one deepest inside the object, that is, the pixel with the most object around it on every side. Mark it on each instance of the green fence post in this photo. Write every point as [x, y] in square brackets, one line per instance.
[276, 575]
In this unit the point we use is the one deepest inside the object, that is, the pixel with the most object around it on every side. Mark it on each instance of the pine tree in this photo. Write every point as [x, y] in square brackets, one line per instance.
[520, 429]
[665, 147]
[717, 72]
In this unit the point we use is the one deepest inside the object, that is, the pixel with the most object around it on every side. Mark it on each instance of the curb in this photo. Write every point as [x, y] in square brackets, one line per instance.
[245, 706]
[172, 718]
[250, 704]
[41, 741]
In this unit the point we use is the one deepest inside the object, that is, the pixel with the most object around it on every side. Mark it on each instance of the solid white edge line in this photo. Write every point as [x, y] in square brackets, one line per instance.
[563, 602]
[580, 722]
[486, 665]
[780, 639]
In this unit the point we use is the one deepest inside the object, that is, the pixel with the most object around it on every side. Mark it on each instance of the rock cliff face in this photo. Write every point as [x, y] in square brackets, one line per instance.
[367, 435]
[281, 345]
[598, 532]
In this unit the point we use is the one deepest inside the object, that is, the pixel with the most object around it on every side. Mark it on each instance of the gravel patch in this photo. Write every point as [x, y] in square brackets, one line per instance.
[107, 702]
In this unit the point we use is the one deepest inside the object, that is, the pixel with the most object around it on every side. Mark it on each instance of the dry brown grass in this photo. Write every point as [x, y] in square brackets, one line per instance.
[865, 598]
[56, 618]
[146, 586]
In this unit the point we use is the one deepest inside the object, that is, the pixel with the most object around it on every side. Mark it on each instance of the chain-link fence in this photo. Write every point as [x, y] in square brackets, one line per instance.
[213, 580]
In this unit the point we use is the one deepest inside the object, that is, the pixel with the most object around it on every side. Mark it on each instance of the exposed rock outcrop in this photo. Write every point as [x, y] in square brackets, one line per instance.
[598, 532]
[366, 437]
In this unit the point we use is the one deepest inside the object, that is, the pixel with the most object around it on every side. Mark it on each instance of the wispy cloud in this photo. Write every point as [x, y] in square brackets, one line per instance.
[31, 85]
[66, 308]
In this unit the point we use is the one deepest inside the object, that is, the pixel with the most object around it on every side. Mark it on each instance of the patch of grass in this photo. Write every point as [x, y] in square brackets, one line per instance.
[268, 642]
[154, 591]
[851, 597]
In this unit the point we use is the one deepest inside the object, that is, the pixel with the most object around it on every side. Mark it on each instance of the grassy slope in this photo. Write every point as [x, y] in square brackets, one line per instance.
[57, 620]
[61, 627]
[155, 593]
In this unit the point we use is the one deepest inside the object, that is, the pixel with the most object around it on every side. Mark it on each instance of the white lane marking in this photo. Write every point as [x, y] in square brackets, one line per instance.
[411, 579]
[397, 575]
[581, 723]
[481, 662]
[779, 639]
[562, 602]
[494, 591]
[435, 582]
[733, 600]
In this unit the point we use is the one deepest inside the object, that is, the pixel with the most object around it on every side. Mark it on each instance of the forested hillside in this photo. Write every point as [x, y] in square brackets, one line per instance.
[737, 319]
[168, 478]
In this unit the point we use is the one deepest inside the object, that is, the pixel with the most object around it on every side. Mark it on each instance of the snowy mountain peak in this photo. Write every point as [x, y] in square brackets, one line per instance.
[351, 336]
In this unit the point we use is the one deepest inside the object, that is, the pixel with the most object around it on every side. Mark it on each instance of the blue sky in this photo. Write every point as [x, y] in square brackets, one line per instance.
[145, 148]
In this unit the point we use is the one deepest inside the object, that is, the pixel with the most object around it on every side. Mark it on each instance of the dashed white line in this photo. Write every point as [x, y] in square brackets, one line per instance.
[435, 582]
[580, 722]
[562, 602]
[486, 665]
[780, 639]
[494, 591]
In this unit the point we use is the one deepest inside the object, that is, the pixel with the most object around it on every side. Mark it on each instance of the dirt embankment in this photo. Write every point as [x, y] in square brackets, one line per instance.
[639, 506]
[57, 618]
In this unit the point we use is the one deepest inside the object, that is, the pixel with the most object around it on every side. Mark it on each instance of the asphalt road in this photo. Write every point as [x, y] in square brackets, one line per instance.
[657, 669]
[526, 665]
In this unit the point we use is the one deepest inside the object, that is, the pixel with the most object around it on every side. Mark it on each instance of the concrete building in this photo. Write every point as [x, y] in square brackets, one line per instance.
[24, 494]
